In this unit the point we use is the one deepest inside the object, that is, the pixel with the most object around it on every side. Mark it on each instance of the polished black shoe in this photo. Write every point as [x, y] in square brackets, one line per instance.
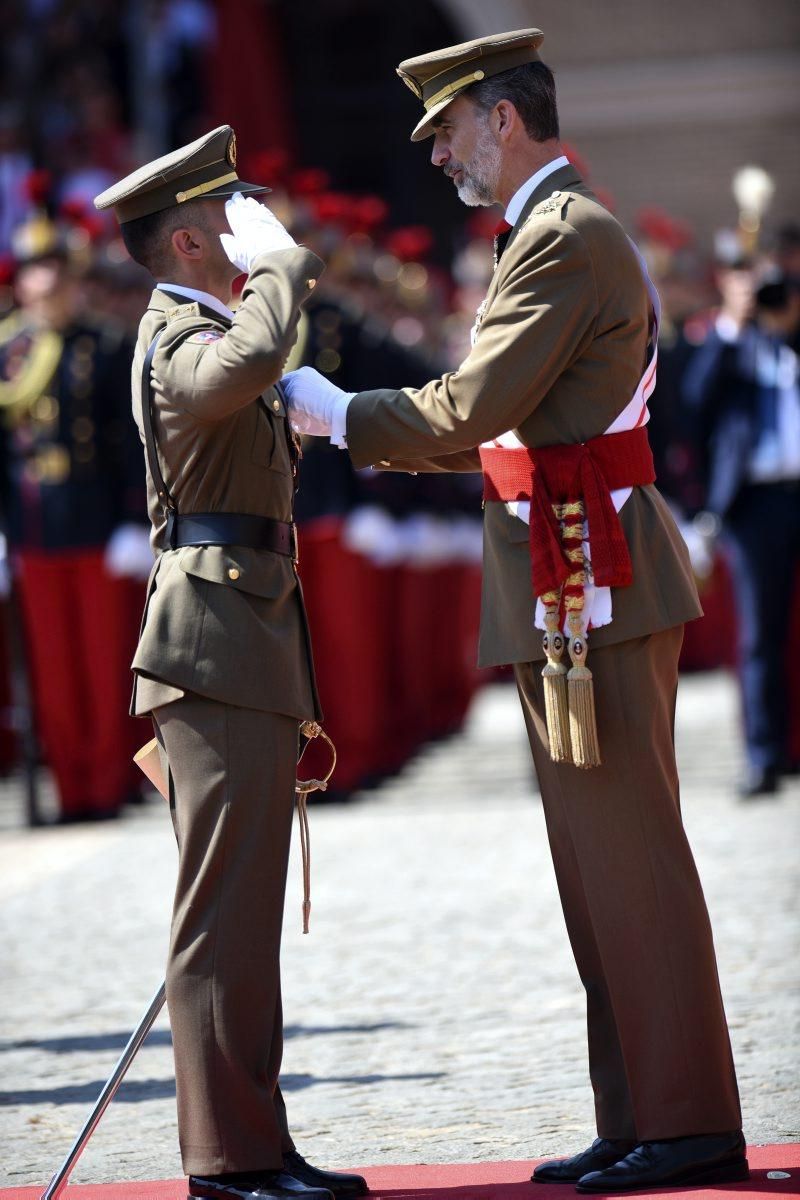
[601, 1154]
[332, 1181]
[256, 1185]
[681, 1162]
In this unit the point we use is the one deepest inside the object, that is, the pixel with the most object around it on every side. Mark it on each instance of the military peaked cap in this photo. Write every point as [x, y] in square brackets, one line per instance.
[205, 168]
[437, 78]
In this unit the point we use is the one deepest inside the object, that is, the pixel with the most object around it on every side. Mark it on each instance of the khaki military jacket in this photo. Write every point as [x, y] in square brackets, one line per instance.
[560, 351]
[224, 621]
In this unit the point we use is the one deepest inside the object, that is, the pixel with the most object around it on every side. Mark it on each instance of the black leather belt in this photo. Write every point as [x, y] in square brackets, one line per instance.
[232, 529]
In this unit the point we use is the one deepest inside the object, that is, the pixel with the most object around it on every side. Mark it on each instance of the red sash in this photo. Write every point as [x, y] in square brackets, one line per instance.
[553, 475]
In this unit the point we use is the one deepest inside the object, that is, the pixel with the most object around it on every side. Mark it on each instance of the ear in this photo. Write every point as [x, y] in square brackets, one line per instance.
[506, 119]
[185, 244]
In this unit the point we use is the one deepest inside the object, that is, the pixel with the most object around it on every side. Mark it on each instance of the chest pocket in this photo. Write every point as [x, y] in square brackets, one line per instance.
[270, 448]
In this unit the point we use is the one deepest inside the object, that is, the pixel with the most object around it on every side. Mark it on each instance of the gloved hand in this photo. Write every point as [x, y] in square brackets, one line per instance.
[128, 554]
[316, 405]
[254, 230]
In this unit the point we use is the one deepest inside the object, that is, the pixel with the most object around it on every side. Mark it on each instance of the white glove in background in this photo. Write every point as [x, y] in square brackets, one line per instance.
[316, 405]
[5, 570]
[128, 554]
[254, 230]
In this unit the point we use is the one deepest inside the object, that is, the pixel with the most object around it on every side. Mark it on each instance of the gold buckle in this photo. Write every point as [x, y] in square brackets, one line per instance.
[295, 545]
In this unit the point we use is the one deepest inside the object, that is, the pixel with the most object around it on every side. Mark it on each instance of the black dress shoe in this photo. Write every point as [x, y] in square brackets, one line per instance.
[602, 1153]
[332, 1181]
[682, 1162]
[256, 1185]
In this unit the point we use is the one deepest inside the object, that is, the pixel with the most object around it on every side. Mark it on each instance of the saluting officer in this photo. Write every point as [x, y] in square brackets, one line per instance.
[551, 404]
[224, 663]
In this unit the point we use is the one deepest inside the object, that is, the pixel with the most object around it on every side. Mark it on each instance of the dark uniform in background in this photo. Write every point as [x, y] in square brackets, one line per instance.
[69, 465]
[744, 394]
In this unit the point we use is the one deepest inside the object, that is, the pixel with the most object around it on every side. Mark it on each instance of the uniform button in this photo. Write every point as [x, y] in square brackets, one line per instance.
[233, 573]
[276, 404]
[311, 284]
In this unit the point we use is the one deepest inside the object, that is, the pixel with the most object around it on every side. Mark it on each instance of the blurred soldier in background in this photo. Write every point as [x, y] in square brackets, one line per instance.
[742, 387]
[73, 512]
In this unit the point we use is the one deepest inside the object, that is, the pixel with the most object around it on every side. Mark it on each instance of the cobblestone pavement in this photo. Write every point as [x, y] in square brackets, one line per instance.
[434, 1013]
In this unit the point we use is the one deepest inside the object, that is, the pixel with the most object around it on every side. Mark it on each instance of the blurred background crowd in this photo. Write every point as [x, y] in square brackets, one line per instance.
[693, 159]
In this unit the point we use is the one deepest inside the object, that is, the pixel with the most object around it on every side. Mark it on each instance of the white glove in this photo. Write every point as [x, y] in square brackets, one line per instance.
[254, 230]
[128, 554]
[316, 405]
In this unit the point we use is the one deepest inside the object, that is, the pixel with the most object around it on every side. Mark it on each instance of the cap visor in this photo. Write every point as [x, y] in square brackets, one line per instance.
[425, 128]
[236, 185]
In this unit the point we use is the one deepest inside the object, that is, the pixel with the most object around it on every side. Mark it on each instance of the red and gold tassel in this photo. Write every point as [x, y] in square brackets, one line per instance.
[554, 674]
[580, 686]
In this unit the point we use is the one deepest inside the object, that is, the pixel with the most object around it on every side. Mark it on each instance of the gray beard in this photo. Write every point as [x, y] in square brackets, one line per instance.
[479, 185]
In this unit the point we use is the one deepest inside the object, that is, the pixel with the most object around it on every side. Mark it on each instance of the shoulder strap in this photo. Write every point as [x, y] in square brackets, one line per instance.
[167, 502]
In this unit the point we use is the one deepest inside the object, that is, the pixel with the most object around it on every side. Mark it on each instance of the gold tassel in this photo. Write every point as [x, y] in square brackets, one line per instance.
[554, 674]
[580, 695]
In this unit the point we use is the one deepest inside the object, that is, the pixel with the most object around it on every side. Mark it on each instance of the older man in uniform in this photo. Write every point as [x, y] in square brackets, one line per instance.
[551, 405]
[224, 663]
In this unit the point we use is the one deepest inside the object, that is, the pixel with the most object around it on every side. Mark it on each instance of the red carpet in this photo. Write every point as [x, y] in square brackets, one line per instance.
[469, 1181]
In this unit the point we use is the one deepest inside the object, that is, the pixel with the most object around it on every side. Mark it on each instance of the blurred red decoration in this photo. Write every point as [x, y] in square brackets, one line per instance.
[333, 208]
[269, 167]
[658, 226]
[73, 211]
[37, 187]
[309, 181]
[94, 225]
[482, 223]
[411, 243]
[8, 266]
[368, 213]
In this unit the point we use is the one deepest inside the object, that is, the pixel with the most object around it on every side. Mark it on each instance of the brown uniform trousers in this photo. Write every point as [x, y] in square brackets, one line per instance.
[232, 812]
[659, 1054]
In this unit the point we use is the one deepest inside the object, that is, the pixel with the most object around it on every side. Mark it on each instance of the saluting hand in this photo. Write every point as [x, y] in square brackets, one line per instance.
[316, 405]
[254, 230]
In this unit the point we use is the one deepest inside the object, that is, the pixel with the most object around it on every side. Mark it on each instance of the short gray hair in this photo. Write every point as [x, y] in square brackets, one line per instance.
[531, 88]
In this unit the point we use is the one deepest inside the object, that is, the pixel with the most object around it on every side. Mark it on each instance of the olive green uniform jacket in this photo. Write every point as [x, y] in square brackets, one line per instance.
[225, 622]
[559, 354]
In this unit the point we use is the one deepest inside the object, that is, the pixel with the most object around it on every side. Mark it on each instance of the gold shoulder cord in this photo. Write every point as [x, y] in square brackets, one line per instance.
[310, 730]
[17, 395]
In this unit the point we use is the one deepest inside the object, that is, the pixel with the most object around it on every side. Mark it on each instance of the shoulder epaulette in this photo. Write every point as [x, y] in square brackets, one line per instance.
[554, 203]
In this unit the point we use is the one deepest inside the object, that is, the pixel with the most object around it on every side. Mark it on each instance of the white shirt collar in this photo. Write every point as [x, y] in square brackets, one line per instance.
[518, 200]
[201, 297]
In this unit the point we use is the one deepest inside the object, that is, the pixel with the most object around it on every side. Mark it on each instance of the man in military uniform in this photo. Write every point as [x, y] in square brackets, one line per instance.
[553, 395]
[75, 524]
[223, 664]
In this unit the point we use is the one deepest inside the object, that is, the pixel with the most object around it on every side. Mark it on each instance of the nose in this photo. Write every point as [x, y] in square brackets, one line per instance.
[439, 154]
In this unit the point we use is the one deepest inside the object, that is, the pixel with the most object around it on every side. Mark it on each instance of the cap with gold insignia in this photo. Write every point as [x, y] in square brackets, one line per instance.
[437, 78]
[205, 168]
